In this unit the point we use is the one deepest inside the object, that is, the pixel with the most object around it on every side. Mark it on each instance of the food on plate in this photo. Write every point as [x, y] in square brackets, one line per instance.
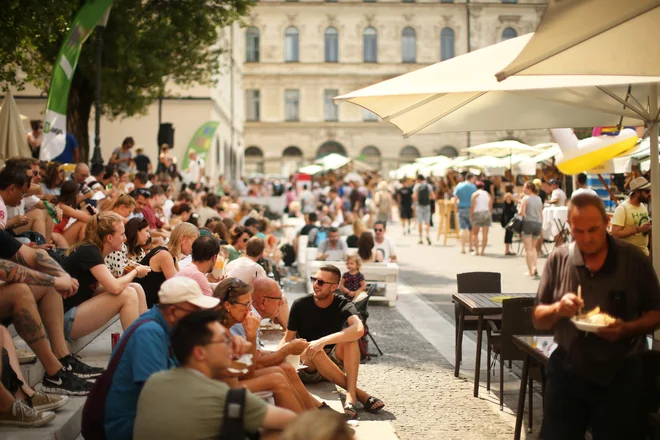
[596, 317]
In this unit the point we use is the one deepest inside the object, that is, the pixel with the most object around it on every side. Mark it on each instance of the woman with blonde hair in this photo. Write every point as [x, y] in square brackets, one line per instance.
[163, 261]
[123, 205]
[358, 228]
[100, 295]
[383, 203]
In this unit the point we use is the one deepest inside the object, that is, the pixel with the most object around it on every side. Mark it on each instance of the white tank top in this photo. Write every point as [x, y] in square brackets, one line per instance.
[482, 202]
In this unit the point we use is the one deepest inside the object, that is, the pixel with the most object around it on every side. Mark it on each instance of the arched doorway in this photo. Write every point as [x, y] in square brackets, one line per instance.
[448, 151]
[408, 155]
[371, 155]
[330, 147]
[254, 160]
[292, 159]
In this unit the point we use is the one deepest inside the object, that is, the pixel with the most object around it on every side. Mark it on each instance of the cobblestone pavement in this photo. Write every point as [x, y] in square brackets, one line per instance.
[423, 398]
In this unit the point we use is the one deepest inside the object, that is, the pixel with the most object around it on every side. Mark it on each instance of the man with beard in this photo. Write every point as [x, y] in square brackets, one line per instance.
[595, 379]
[331, 325]
[631, 221]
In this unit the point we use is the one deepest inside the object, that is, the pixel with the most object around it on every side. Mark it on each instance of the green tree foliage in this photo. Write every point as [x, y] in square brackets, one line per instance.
[147, 43]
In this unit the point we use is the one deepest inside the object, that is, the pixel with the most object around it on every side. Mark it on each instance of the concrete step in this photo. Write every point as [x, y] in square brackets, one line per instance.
[95, 350]
[33, 373]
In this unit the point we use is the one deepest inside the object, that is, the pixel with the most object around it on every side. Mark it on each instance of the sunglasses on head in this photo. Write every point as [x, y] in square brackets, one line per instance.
[320, 282]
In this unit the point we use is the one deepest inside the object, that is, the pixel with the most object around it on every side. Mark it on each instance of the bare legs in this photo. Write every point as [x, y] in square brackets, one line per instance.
[307, 400]
[25, 391]
[273, 379]
[531, 256]
[466, 237]
[95, 312]
[6, 399]
[484, 238]
[74, 233]
[17, 301]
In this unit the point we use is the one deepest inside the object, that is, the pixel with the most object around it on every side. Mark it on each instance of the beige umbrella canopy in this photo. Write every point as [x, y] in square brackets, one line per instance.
[13, 138]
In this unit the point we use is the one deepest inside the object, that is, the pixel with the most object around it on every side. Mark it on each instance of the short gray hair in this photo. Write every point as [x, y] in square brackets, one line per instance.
[585, 199]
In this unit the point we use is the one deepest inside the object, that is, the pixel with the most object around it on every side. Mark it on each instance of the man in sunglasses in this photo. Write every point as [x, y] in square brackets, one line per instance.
[384, 244]
[331, 325]
[631, 220]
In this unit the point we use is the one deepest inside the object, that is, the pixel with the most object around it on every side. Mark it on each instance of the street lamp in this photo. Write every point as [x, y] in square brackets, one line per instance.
[100, 28]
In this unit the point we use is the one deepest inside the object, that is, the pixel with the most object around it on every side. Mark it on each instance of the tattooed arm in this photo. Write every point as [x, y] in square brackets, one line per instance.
[38, 259]
[11, 272]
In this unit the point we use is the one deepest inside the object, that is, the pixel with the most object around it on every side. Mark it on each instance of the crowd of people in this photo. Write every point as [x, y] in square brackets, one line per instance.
[191, 272]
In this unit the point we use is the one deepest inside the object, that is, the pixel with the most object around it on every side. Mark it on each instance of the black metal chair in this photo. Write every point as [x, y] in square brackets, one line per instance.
[476, 282]
[516, 320]
[362, 307]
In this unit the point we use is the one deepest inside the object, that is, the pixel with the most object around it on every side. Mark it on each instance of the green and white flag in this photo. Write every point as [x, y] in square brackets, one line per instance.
[91, 13]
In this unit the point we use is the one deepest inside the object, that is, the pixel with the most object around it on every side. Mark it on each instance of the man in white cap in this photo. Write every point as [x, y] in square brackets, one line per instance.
[631, 220]
[148, 351]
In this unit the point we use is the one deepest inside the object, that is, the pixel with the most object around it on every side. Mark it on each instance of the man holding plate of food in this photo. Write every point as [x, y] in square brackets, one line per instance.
[601, 297]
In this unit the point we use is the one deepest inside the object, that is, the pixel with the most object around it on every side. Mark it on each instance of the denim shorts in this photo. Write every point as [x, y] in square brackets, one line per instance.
[69, 317]
[423, 214]
[531, 228]
[464, 219]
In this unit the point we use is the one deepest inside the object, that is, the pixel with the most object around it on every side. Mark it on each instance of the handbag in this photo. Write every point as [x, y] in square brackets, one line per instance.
[515, 225]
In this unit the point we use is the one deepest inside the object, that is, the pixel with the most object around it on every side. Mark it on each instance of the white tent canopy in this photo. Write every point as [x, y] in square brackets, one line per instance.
[502, 148]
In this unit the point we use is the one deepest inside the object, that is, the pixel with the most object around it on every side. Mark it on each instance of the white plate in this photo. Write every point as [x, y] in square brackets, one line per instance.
[586, 326]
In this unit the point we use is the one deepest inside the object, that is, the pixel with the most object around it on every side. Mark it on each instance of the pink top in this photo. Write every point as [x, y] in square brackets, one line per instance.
[191, 271]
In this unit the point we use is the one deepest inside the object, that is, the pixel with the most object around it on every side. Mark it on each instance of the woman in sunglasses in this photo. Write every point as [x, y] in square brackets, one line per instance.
[240, 237]
[235, 308]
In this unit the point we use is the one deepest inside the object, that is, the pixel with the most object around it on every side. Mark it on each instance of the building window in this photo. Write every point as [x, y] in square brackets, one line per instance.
[291, 45]
[448, 151]
[446, 44]
[371, 155]
[446, 1]
[291, 104]
[408, 155]
[509, 33]
[370, 42]
[369, 116]
[292, 159]
[331, 45]
[254, 160]
[330, 109]
[370, 1]
[252, 45]
[408, 46]
[509, 1]
[252, 104]
[408, 1]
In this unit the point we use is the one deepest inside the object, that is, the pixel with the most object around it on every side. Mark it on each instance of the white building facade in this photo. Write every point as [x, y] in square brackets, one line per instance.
[299, 55]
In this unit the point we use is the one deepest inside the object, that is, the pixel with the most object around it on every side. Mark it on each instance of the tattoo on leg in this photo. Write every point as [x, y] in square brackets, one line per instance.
[31, 330]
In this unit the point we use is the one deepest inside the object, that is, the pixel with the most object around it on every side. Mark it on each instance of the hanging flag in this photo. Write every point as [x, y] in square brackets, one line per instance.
[201, 142]
[91, 13]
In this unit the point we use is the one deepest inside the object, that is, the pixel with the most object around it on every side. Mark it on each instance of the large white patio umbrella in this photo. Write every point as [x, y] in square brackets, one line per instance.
[502, 148]
[601, 37]
[13, 136]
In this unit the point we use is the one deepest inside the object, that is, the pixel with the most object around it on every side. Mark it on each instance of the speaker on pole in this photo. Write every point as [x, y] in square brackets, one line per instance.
[166, 135]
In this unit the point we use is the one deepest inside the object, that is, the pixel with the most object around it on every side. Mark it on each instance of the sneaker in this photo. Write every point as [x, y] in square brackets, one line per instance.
[41, 401]
[64, 382]
[22, 415]
[428, 240]
[73, 363]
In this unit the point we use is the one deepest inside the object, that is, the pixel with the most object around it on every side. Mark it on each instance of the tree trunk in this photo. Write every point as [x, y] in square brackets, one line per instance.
[81, 99]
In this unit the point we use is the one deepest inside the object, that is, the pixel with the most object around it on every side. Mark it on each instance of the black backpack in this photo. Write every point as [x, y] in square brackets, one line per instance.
[423, 195]
[232, 422]
[93, 416]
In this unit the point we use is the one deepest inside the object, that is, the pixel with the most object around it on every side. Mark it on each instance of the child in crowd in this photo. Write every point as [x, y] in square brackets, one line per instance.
[352, 282]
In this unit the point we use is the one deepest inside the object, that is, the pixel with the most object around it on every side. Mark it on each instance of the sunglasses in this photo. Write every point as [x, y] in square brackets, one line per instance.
[379, 230]
[320, 282]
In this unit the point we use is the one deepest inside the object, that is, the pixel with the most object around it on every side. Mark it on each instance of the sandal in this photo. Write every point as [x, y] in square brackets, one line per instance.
[371, 403]
[350, 411]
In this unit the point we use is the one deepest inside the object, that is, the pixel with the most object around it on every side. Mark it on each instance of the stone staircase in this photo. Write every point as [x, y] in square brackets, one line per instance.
[95, 350]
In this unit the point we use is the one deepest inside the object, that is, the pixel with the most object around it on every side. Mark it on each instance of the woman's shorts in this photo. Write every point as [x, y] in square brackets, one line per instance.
[531, 228]
[69, 317]
[481, 219]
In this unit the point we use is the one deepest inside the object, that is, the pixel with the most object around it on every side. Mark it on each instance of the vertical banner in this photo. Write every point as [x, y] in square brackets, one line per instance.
[201, 142]
[83, 24]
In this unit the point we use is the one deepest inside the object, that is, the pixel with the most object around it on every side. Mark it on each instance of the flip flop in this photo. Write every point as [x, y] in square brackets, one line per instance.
[350, 411]
[371, 402]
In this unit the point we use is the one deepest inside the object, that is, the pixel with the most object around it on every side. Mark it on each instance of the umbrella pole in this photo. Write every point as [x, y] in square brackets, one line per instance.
[655, 182]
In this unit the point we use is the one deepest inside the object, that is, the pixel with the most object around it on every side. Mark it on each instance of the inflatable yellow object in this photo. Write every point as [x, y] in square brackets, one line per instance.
[580, 156]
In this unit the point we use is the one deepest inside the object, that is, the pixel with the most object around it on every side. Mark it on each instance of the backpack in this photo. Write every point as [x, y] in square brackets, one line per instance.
[232, 421]
[321, 235]
[93, 416]
[423, 195]
[383, 203]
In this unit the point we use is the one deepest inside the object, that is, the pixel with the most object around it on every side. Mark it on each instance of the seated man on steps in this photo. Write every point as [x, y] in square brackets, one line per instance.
[33, 289]
[332, 326]
[203, 346]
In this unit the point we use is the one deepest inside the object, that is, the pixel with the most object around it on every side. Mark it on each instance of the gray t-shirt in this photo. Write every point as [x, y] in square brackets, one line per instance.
[124, 166]
[184, 404]
[324, 246]
[533, 208]
[625, 287]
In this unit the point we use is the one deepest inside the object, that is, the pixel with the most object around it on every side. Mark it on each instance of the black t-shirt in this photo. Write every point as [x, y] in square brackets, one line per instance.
[305, 229]
[405, 194]
[8, 245]
[355, 197]
[543, 195]
[311, 322]
[142, 162]
[78, 265]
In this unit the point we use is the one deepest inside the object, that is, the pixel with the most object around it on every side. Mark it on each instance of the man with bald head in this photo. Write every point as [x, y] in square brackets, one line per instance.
[80, 175]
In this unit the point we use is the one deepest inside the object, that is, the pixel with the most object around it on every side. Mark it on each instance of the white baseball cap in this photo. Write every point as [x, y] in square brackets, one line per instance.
[178, 290]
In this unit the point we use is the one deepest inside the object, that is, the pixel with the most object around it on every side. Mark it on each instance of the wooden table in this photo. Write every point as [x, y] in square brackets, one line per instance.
[479, 304]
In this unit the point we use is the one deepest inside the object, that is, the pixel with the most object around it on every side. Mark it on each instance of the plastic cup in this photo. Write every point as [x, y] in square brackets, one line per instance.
[293, 359]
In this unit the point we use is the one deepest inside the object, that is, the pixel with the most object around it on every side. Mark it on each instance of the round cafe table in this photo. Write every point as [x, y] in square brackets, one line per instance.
[554, 219]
